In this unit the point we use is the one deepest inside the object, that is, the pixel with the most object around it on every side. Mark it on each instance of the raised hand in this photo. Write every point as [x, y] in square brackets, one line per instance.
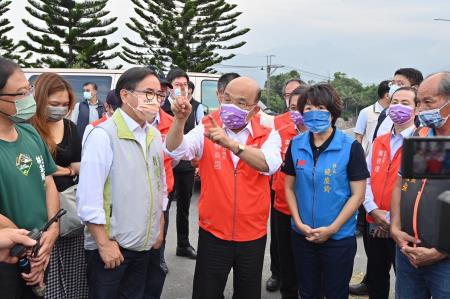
[181, 108]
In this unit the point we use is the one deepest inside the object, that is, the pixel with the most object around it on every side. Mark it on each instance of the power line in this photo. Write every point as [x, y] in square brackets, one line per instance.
[264, 67]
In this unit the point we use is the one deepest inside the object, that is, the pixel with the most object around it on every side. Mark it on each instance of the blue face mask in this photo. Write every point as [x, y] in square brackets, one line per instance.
[432, 118]
[317, 121]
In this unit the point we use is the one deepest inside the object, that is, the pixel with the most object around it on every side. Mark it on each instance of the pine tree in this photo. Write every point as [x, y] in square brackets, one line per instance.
[191, 34]
[7, 45]
[74, 35]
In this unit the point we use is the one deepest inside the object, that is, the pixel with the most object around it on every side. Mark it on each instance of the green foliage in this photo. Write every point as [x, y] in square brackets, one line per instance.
[9, 49]
[185, 33]
[74, 34]
[354, 95]
[276, 101]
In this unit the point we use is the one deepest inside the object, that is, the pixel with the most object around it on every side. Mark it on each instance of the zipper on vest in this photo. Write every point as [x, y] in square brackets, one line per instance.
[234, 205]
[148, 231]
[314, 196]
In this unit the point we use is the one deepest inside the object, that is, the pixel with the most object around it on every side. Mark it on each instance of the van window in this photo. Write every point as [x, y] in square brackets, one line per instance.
[208, 94]
[77, 82]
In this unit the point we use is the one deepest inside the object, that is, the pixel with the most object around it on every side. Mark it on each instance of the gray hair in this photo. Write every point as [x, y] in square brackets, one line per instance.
[444, 85]
[298, 80]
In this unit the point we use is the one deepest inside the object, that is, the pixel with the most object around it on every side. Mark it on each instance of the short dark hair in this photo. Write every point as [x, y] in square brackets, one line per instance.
[322, 94]
[7, 68]
[191, 85]
[412, 89]
[176, 73]
[298, 80]
[298, 91]
[225, 79]
[414, 76]
[129, 79]
[91, 83]
[112, 100]
[383, 88]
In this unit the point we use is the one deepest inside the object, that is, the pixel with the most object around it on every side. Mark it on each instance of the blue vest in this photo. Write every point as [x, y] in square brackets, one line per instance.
[323, 190]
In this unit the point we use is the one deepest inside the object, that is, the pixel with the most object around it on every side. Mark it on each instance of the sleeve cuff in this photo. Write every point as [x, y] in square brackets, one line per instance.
[178, 153]
[370, 206]
[92, 215]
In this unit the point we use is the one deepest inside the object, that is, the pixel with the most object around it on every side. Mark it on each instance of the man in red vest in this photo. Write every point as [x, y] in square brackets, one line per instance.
[383, 163]
[236, 157]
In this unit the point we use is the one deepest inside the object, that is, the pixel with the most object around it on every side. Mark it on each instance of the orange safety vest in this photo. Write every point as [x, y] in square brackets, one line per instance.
[165, 121]
[234, 203]
[281, 120]
[384, 172]
[287, 132]
[99, 121]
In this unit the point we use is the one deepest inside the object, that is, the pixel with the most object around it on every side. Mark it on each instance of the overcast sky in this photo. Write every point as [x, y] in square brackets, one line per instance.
[368, 40]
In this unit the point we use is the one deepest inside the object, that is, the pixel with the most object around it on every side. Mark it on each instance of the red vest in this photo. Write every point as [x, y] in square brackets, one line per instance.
[234, 203]
[282, 119]
[99, 121]
[165, 121]
[384, 172]
[287, 132]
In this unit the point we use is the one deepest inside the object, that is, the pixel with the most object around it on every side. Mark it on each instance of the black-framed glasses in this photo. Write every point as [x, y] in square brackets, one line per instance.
[151, 94]
[22, 93]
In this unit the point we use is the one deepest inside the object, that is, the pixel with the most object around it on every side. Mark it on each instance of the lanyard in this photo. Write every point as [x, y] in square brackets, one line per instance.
[416, 212]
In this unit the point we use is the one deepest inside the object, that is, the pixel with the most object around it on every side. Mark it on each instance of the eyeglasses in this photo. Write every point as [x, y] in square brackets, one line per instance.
[287, 95]
[29, 91]
[398, 83]
[151, 94]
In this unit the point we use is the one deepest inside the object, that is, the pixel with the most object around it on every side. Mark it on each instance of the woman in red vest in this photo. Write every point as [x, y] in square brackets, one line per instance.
[384, 163]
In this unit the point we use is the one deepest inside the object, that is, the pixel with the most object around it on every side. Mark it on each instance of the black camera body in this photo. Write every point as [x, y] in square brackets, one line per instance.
[429, 158]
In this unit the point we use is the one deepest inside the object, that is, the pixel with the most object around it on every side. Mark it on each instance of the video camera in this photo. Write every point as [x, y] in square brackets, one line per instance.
[429, 158]
[426, 157]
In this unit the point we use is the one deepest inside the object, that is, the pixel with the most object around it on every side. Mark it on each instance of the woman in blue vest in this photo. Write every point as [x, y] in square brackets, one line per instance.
[326, 176]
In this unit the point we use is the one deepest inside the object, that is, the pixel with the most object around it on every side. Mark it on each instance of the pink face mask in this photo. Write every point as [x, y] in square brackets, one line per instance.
[233, 117]
[297, 118]
[400, 114]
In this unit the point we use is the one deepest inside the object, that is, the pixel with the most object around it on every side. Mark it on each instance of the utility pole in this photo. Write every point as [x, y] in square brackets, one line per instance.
[270, 68]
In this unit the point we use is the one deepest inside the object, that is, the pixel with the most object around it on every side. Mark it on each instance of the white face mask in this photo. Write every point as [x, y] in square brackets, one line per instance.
[393, 88]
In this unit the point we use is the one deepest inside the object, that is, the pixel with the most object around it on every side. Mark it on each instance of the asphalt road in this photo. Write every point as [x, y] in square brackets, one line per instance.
[178, 283]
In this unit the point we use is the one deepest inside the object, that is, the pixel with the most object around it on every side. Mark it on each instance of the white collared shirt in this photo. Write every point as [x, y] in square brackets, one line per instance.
[395, 144]
[192, 146]
[363, 118]
[97, 158]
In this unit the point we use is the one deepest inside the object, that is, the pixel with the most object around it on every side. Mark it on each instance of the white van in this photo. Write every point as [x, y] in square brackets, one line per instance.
[205, 84]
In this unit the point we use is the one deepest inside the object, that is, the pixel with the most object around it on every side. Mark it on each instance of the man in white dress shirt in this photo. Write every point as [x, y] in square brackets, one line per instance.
[120, 194]
[236, 157]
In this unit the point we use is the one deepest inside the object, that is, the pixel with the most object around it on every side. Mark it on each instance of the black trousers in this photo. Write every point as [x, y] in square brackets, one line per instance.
[139, 276]
[215, 259]
[363, 227]
[323, 270]
[12, 286]
[183, 186]
[380, 258]
[288, 276]
[274, 257]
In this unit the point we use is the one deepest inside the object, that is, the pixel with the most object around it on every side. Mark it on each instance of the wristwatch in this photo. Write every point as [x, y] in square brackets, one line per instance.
[241, 148]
